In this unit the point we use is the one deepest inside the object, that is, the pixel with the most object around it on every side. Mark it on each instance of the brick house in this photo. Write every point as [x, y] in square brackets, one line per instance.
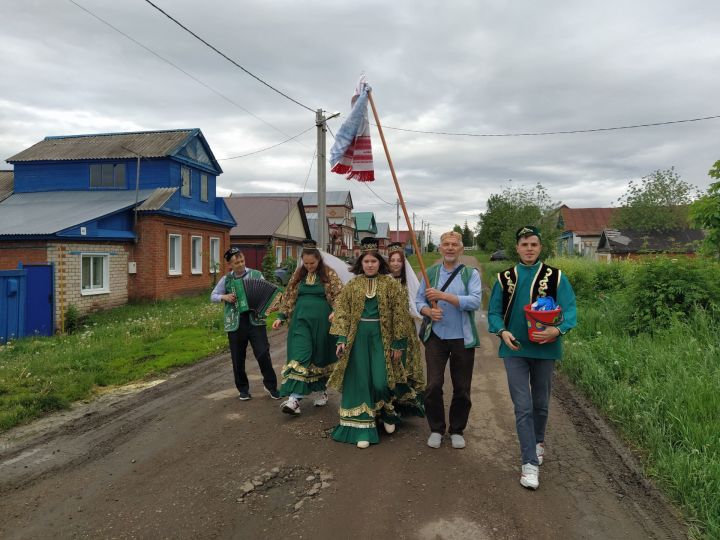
[117, 217]
[268, 220]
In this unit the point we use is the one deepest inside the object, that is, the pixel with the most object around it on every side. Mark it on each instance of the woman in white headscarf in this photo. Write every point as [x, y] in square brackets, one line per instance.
[409, 395]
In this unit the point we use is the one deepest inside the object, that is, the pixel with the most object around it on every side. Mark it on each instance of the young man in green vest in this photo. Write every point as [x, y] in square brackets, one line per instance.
[452, 337]
[242, 327]
[529, 364]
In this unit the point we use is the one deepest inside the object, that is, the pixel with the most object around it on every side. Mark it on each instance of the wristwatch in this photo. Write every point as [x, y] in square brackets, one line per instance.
[499, 332]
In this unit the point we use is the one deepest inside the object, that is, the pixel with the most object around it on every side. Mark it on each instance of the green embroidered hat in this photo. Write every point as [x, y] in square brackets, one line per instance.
[528, 230]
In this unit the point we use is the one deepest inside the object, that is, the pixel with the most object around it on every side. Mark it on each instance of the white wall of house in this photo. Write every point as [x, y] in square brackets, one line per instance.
[106, 288]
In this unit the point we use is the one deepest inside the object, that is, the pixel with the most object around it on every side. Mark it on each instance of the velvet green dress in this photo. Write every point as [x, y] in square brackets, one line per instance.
[310, 347]
[365, 389]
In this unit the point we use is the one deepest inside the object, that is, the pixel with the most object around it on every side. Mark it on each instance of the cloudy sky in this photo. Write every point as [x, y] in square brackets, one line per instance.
[474, 67]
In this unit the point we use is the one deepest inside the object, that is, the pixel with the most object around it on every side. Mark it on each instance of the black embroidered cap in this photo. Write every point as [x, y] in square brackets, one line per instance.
[528, 230]
[309, 244]
[368, 244]
[230, 252]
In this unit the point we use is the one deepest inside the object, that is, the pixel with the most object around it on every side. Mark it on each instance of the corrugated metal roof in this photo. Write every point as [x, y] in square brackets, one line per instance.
[259, 216]
[7, 184]
[630, 241]
[148, 144]
[51, 211]
[157, 199]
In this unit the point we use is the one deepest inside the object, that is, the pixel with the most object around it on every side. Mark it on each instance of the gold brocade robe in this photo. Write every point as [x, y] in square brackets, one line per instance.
[394, 324]
[289, 297]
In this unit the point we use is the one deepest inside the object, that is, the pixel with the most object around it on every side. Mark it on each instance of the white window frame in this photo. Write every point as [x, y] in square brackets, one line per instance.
[106, 273]
[187, 193]
[278, 255]
[204, 187]
[214, 254]
[176, 268]
[196, 254]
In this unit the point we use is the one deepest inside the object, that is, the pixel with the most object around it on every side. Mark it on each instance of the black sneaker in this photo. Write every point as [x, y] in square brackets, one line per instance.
[273, 393]
[244, 396]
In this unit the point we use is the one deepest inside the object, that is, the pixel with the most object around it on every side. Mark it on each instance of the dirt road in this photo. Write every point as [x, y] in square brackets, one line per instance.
[184, 458]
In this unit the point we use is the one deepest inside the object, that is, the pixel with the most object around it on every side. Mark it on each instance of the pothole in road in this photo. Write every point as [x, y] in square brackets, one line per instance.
[283, 491]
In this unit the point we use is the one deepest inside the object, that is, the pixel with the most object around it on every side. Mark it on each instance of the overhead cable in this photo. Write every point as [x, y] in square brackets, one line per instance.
[226, 57]
[269, 147]
[539, 133]
[171, 63]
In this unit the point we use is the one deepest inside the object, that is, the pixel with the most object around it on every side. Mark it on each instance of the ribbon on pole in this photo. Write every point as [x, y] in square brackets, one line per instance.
[352, 152]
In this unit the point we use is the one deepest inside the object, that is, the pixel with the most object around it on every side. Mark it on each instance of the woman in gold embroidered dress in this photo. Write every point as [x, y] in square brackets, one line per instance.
[308, 305]
[409, 396]
[371, 324]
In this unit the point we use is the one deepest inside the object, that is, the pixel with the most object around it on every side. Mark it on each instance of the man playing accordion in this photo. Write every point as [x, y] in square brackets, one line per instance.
[243, 326]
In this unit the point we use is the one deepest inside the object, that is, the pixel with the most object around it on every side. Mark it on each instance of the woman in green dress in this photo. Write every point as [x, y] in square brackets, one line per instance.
[371, 324]
[308, 306]
[409, 395]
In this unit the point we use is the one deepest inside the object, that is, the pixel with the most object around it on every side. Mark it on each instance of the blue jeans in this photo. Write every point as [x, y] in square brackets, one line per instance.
[529, 382]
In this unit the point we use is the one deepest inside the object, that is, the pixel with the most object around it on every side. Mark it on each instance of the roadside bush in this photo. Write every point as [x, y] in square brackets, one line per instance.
[73, 319]
[667, 289]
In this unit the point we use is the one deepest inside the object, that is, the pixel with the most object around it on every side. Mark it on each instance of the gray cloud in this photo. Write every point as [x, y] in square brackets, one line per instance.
[476, 67]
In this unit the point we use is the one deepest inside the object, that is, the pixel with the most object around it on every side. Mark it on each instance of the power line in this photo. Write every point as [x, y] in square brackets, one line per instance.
[173, 19]
[539, 133]
[378, 196]
[268, 147]
[309, 171]
[171, 63]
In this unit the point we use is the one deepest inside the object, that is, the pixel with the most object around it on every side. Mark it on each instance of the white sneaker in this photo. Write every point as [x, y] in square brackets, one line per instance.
[291, 406]
[435, 440]
[389, 428]
[540, 451]
[458, 441]
[363, 444]
[530, 476]
[321, 400]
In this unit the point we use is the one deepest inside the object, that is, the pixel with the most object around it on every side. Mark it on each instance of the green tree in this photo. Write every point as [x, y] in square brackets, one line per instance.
[514, 207]
[457, 228]
[467, 236]
[705, 213]
[430, 246]
[269, 264]
[658, 202]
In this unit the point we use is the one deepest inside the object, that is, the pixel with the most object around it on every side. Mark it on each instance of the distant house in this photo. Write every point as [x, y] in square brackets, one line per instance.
[365, 226]
[405, 238]
[338, 212]
[617, 244]
[581, 229]
[114, 217]
[383, 237]
[261, 221]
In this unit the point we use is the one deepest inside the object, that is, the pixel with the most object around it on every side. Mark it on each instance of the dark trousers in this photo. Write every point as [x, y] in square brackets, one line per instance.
[257, 336]
[437, 353]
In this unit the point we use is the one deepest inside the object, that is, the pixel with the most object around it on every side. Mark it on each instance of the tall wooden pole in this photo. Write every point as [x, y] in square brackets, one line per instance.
[399, 193]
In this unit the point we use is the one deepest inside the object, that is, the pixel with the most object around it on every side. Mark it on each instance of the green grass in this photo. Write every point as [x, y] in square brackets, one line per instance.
[661, 390]
[134, 342]
[428, 258]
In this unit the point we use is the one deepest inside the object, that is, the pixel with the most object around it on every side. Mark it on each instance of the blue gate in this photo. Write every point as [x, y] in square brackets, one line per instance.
[39, 300]
[12, 304]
